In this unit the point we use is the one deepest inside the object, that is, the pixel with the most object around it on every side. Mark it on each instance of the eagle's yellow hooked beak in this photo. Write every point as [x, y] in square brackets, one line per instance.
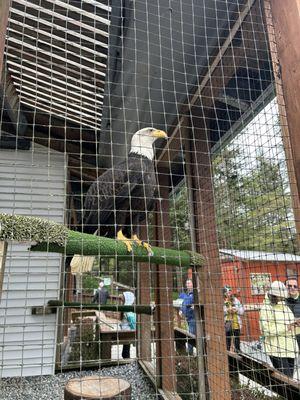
[159, 134]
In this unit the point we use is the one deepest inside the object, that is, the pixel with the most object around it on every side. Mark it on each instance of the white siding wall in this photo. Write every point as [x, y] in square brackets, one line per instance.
[31, 183]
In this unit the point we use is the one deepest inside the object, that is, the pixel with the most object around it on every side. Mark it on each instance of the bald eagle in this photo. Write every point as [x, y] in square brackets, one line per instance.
[118, 201]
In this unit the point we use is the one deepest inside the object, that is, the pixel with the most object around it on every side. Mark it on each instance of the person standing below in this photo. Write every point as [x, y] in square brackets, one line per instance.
[277, 323]
[233, 311]
[293, 302]
[187, 310]
[128, 320]
[101, 296]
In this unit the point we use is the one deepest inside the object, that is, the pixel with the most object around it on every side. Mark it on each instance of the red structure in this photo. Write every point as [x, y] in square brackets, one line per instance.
[250, 273]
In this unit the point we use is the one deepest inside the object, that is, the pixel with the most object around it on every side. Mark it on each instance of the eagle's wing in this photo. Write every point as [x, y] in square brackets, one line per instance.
[108, 192]
[152, 201]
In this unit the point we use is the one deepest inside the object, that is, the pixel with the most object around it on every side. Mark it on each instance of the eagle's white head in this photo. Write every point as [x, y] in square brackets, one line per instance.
[142, 141]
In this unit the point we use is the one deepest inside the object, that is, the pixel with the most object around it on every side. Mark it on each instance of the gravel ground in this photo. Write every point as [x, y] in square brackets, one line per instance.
[52, 387]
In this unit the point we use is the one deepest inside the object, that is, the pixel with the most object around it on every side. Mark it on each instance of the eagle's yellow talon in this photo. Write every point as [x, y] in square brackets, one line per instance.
[137, 240]
[125, 240]
[141, 243]
[148, 248]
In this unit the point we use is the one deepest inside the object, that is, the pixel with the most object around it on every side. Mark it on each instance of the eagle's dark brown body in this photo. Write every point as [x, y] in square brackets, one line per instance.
[120, 198]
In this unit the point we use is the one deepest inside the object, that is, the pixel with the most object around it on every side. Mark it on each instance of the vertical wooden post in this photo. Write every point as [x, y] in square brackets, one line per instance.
[283, 26]
[207, 244]
[165, 353]
[4, 12]
[198, 275]
[144, 297]
[198, 283]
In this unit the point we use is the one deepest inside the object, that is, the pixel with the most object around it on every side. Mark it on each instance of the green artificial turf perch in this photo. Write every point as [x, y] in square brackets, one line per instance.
[53, 237]
[138, 309]
[23, 229]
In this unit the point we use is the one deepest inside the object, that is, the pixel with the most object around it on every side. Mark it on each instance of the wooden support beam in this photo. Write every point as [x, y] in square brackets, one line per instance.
[165, 354]
[82, 175]
[144, 297]
[198, 284]
[283, 30]
[198, 276]
[83, 170]
[58, 126]
[206, 240]
[62, 145]
[174, 146]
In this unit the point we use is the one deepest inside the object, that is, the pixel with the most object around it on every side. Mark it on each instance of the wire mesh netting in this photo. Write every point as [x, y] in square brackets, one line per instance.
[149, 206]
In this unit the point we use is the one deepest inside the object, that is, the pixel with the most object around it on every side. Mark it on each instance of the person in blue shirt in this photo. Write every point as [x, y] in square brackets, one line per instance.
[187, 309]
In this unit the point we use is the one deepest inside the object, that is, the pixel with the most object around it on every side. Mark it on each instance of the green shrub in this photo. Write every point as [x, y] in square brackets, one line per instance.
[89, 282]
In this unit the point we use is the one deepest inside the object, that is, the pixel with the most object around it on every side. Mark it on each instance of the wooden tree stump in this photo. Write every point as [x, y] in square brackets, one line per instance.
[97, 388]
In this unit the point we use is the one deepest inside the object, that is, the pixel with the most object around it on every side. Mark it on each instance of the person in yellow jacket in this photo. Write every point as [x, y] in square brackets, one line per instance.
[277, 323]
[233, 312]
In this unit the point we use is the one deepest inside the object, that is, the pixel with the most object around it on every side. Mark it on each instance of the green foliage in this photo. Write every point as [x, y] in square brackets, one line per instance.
[179, 220]
[252, 199]
[126, 273]
[89, 282]
[254, 208]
